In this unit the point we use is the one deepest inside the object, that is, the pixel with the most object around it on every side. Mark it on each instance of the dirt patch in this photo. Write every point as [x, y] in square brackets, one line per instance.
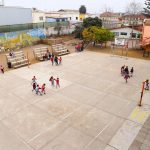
[118, 51]
[28, 51]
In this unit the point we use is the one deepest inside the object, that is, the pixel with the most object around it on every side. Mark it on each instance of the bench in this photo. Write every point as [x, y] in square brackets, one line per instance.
[60, 49]
[39, 53]
[18, 60]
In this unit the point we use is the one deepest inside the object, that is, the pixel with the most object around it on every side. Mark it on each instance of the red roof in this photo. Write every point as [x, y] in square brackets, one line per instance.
[137, 16]
[110, 14]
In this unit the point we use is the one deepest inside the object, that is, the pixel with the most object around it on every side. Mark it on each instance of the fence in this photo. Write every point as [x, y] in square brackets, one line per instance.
[21, 27]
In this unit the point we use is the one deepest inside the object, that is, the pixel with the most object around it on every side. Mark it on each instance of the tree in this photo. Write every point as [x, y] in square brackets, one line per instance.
[97, 35]
[82, 9]
[88, 22]
[133, 8]
[58, 28]
[78, 31]
[147, 9]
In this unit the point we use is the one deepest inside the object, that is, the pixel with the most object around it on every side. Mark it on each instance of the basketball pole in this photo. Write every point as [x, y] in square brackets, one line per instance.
[142, 92]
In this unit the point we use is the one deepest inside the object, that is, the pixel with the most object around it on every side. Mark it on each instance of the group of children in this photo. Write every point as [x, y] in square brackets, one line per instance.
[79, 47]
[41, 90]
[52, 58]
[37, 88]
[55, 59]
[54, 82]
[125, 72]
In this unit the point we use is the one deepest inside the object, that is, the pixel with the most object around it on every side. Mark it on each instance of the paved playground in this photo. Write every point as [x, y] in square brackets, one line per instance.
[93, 110]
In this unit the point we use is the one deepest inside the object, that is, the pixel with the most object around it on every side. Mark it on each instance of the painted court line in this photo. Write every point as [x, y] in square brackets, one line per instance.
[129, 130]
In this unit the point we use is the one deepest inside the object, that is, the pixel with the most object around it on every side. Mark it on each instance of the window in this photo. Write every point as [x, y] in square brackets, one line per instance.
[76, 18]
[41, 18]
[116, 33]
[138, 35]
[123, 33]
[57, 20]
[133, 35]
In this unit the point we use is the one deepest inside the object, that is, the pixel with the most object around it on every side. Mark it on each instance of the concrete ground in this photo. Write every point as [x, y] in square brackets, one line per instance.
[94, 109]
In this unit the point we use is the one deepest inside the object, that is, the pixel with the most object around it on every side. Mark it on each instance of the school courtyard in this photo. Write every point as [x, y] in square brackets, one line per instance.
[94, 109]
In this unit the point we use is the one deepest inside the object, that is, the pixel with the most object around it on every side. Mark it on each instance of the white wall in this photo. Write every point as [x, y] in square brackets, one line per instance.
[15, 15]
[51, 31]
[125, 30]
[72, 15]
[36, 17]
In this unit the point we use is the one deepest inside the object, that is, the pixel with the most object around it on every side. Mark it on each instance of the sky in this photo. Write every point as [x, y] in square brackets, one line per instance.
[93, 6]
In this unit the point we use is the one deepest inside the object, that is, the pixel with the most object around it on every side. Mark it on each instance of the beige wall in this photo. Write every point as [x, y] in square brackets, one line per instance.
[36, 17]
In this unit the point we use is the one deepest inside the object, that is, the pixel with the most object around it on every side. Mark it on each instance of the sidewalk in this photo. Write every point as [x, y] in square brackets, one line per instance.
[142, 140]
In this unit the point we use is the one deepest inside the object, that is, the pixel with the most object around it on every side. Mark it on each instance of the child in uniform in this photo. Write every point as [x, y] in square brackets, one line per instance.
[147, 84]
[38, 90]
[52, 80]
[57, 82]
[43, 88]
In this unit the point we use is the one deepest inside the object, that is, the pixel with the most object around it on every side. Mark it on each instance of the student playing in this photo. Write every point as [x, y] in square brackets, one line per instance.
[52, 80]
[52, 60]
[60, 60]
[38, 90]
[57, 82]
[34, 86]
[43, 88]
[34, 79]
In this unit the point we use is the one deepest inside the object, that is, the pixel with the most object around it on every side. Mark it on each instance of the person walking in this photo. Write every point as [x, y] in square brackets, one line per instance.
[126, 70]
[57, 83]
[2, 69]
[43, 88]
[52, 80]
[33, 79]
[52, 60]
[122, 70]
[56, 60]
[60, 60]
[34, 86]
[126, 77]
[38, 90]
[131, 71]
